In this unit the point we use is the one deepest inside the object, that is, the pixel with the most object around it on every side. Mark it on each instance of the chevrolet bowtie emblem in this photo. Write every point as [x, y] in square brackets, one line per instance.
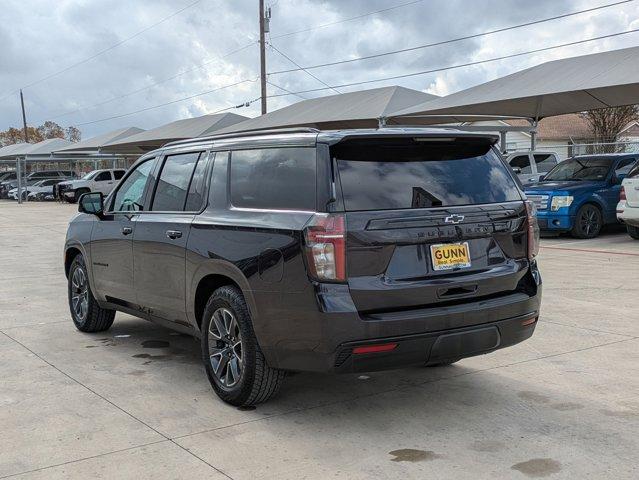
[454, 219]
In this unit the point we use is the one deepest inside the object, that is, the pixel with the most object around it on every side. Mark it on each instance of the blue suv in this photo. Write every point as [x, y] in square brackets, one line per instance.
[580, 194]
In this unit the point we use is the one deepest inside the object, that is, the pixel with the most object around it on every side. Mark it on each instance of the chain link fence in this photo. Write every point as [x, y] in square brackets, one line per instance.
[595, 148]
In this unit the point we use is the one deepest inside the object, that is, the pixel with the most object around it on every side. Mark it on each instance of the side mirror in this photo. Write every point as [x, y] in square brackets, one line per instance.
[92, 203]
[542, 178]
[517, 170]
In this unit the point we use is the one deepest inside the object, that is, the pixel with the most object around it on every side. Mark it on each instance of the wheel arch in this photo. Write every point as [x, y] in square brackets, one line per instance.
[208, 278]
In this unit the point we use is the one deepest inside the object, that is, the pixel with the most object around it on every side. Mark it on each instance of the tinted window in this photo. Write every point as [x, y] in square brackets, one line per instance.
[522, 162]
[129, 195]
[173, 184]
[384, 177]
[103, 177]
[118, 174]
[581, 168]
[624, 167]
[545, 163]
[195, 196]
[277, 178]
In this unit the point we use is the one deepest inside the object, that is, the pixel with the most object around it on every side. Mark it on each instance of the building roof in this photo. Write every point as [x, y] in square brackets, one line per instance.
[94, 144]
[560, 127]
[360, 109]
[558, 87]
[178, 130]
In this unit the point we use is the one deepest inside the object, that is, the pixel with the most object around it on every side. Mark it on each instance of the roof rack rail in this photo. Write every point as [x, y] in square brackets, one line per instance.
[271, 131]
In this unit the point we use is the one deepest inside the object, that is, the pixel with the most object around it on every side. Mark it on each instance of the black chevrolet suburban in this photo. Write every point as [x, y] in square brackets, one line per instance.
[306, 250]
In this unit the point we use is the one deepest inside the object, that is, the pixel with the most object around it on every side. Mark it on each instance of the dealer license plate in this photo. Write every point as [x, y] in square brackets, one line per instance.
[447, 256]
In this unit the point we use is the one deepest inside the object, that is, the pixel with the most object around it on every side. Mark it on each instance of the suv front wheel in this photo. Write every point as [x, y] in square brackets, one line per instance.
[87, 315]
[234, 363]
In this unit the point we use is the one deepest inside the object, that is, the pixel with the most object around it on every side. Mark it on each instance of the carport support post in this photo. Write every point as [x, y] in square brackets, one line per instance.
[533, 136]
[502, 141]
[19, 175]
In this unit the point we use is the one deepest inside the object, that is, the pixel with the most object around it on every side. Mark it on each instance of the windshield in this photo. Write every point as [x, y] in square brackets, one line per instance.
[90, 175]
[578, 169]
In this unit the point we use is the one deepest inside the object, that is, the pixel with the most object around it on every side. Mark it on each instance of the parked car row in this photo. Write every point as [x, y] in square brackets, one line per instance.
[582, 194]
[10, 181]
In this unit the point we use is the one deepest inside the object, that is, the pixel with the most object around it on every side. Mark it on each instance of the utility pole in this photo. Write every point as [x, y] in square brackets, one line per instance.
[263, 30]
[24, 119]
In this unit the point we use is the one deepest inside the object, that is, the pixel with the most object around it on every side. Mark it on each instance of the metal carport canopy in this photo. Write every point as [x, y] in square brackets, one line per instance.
[148, 140]
[599, 80]
[359, 109]
[94, 144]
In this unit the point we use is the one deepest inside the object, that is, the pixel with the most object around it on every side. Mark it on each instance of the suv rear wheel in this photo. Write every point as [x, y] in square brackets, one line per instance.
[87, 315]
[588, 222]
[633, 231]
[234, 363]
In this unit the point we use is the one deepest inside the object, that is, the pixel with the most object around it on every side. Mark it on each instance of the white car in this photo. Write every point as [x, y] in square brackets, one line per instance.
[628, 206]
[531, 166]
[96, 181]
[44, 186]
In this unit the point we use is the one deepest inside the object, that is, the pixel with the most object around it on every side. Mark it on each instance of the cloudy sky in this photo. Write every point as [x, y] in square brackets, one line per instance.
[159, 52]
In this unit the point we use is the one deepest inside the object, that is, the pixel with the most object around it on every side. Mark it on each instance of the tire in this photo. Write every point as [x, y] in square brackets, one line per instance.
[229, 345]
[78, 193]
[87, 315]
[588, 222]
[633, 231]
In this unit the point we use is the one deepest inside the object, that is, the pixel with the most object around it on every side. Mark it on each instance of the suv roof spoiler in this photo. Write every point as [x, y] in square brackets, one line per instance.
[250, 133]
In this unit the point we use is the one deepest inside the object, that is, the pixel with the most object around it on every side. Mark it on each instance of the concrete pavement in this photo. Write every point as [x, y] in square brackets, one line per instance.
[563, 405]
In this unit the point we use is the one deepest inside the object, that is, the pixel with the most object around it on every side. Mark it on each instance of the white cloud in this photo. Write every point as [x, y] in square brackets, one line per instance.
[40, 37]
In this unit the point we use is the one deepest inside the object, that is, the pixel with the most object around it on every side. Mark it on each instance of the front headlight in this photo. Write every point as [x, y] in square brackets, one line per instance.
[561, 201]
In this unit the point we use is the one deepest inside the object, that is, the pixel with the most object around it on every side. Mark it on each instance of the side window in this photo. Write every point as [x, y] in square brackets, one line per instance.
[545, 163]
[522, 162]
[634, 172]
[624, 167]
[195, 196]
[103, 177]
[129, 195]
[173, 183]
[118, 174]
[274, 178]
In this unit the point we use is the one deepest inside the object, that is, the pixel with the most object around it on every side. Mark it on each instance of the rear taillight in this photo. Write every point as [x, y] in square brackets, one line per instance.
[622, 194]
[325, 237]
[532, 230]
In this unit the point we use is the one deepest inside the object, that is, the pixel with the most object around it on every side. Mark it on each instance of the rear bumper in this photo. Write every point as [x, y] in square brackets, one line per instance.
[628, 215]
[293, 336]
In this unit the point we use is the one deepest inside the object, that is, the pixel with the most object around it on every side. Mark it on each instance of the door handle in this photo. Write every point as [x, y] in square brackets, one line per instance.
[173, 234]
[127, 230]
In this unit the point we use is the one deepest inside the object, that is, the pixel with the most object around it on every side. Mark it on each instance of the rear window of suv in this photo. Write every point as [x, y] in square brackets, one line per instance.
[403, 174]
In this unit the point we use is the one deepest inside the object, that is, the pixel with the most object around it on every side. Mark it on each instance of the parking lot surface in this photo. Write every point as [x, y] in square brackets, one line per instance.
[134, 402]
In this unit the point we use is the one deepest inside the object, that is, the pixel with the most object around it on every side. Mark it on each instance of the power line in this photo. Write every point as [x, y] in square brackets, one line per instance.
[357, 17]
[115, 45]
[167, 103]
[302, 68]
[133, 92]
[452, 67]
[444, 42]
[285, 90]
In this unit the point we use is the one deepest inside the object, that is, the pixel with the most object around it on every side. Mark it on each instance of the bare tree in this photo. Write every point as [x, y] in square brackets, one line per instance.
[74, 134]
[608, 123]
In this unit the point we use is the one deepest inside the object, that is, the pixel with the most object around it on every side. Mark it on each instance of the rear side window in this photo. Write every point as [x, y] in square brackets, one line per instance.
[522, 162]
[386, 176]
[118, 174]
[103, 177]
[545, 163]
[274, 178]
[173, 183]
